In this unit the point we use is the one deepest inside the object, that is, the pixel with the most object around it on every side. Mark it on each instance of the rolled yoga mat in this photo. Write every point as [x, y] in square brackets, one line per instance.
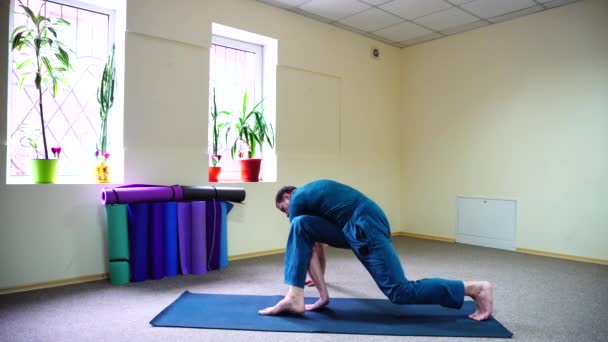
[118, 232]
[171, 246]
[119, 272]
[214, 234]
[226, 207]
[138, 240]
[184, 229]
[342, 315]
[135, 193]
[206, 193]
[118, 243]
[199, 237]
[156, 243]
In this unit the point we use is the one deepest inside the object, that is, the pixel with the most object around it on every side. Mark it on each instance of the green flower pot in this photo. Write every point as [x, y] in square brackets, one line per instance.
[44, 170]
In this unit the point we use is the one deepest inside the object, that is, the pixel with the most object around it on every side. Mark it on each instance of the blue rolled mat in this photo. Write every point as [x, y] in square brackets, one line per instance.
[226, 207]
[157, 241]
[214, 232]
[342, 315]
[170, 228]
[199, 238]
[184, 229]
[138, 240]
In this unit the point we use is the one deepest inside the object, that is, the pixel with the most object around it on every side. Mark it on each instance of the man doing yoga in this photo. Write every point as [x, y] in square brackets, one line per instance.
[336, 214]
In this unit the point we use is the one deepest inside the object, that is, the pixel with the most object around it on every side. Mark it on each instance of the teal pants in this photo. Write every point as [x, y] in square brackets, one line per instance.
[367, 234]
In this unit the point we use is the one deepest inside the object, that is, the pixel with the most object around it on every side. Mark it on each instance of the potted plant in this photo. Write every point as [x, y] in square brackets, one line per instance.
[252, 131]
[105, 98]
[216, 128]
[47, 61]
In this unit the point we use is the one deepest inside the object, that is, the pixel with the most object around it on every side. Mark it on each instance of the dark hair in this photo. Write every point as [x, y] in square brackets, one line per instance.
[287, 189]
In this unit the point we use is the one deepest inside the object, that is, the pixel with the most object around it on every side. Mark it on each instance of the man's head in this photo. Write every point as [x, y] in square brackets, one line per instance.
[283, 197]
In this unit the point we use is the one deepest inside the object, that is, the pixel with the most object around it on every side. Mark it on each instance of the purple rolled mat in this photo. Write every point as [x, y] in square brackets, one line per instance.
[157, 241]
[214, 234]
[184, 234]
[199, 238]
[135, 193]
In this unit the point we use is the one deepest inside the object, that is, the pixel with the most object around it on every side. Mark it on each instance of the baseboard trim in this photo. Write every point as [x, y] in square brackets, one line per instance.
[54, 283]
[563, 256]
[423, 236]
[95, 277]
[256, 254]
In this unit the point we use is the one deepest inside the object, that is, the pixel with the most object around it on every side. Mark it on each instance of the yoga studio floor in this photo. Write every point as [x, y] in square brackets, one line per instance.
[536, 298]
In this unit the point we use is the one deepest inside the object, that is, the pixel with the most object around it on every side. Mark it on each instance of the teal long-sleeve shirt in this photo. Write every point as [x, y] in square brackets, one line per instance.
[333, 201]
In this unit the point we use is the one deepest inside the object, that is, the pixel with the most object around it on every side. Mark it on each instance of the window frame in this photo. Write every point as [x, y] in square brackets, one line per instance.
[115, 120]
[231, 172]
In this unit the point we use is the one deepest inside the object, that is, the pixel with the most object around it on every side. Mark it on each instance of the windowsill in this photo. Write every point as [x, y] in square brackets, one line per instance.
[27, 180]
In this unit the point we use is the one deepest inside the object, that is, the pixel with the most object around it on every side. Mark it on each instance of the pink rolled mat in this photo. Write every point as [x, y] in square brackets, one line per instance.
[134, 193]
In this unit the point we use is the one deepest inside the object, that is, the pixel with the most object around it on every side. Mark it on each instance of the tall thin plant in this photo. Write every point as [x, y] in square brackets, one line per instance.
[105, 97]
[50, 57]
[217, 126]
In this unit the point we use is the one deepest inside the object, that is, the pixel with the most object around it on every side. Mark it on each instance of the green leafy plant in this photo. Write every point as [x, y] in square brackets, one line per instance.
[105, 98]
[49, 57]
[217, 127]
[252, 129]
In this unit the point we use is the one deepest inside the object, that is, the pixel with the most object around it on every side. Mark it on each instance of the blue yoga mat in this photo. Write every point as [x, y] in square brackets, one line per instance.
[138, 240]
[171, 251]
[341, 316]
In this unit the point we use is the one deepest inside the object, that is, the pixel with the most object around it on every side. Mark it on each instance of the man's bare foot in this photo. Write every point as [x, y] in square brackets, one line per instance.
[287, 305]
[481, 292]
[322, 302]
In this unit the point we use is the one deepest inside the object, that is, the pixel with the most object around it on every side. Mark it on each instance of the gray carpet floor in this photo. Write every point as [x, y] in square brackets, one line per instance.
[537, 298]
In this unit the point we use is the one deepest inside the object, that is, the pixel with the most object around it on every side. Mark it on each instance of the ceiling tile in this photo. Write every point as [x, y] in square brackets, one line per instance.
[466, 27]
[285, 3]
[310, 15]
[516, 14]
[376, 2]
[334, 9]
[402, 32]
[411, 9]
[492, 8]
[378, 38]
[371, 20]
[443, 20]
[557, 3]
[422, 39]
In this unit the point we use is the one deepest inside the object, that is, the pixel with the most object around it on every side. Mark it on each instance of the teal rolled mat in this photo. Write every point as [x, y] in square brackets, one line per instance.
[118, 232]
[119, 272]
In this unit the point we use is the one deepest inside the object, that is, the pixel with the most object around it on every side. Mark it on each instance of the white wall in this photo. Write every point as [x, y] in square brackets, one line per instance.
[52, 232]
[516, 110]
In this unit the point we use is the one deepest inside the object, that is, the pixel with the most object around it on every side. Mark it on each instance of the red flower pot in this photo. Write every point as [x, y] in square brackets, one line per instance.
[250, 170]
[214, 173]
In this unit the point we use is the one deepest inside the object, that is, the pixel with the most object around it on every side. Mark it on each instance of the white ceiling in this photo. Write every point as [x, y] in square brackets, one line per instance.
[408, 22]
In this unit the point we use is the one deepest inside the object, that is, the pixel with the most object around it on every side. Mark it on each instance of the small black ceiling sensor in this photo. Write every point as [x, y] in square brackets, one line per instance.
[375, 53]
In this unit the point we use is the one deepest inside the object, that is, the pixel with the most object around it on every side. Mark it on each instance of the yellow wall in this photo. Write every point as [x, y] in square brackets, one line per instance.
[51, 232]
[515, 110]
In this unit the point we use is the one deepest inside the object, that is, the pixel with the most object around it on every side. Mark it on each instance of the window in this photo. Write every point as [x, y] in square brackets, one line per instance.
[72, 118]
[241, 61]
